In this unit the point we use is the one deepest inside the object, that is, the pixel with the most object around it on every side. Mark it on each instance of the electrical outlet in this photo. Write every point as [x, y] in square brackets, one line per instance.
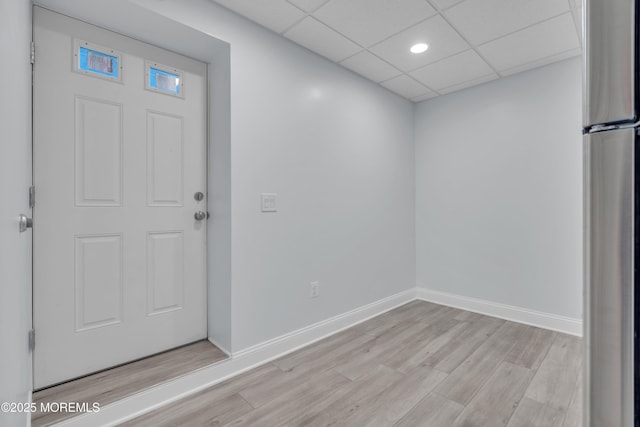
[269, 202]
[315, 289]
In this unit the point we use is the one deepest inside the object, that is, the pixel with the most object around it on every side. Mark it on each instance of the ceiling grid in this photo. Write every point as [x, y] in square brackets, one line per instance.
[470, 41]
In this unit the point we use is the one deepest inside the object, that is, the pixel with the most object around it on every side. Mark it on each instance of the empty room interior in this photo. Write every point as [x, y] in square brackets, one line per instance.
[292, 212]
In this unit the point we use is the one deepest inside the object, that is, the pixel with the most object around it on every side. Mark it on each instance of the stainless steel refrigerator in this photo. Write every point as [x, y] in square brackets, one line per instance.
[612, 208]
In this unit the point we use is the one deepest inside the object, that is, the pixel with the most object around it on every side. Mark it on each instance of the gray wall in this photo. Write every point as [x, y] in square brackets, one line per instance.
[499, 191]
[15, 179]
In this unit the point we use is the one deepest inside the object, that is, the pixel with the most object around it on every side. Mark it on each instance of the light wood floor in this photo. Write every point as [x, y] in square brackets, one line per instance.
[113, 384]
[419, 365]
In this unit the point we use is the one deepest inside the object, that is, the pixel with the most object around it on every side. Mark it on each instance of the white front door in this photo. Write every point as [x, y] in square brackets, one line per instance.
[119, 156]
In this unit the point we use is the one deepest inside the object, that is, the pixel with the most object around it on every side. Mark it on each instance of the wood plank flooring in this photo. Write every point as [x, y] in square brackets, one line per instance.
[418, 365]
[122, 381]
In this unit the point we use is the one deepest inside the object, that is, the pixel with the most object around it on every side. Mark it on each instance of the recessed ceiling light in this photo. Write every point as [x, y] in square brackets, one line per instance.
[419, 48]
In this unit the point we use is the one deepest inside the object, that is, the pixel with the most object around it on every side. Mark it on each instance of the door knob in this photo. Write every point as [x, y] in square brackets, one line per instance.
[24, 222]
[199, 216]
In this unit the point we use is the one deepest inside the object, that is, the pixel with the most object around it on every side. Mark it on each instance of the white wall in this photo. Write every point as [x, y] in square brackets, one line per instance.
[338, 150]
[499, 191]
[15, 179]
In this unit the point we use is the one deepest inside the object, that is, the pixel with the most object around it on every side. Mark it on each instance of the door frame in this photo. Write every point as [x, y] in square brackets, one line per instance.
[15, 247]
[167, 221]
[140, 23]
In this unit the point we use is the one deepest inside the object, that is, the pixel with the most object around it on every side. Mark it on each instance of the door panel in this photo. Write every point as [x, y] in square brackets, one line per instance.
[165, 271]
[98, 165]
[119, 259]
[609, 273]
[165, 165]
[98, 279]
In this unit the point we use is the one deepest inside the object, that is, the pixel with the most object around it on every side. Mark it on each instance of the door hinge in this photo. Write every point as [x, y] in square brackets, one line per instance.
[33, 52]
[32, 340]
[32, 196]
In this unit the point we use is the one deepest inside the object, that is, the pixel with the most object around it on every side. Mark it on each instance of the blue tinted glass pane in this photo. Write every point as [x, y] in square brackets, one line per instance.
[98, 62]
[163, 80]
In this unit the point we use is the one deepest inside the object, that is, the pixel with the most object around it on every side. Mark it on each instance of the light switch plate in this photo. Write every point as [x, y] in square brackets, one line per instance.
[269, 202]
[315, 289]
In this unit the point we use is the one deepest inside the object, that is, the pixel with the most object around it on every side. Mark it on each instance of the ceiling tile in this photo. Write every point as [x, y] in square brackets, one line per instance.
[545, 40]
[370, 66]
[444, 4]
[277, 15]
[542, 62]
[406, 86]
[308, 5]
[321, 39]
[443, 41]
[463, 67]
[483, 20]
[369, 21]
[468, 83]
[424, 97]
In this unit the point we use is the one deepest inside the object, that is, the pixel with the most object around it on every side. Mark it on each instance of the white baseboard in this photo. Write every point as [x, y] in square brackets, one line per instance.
[155, 397]
[540, 319]
[247, 359]
[305, 336]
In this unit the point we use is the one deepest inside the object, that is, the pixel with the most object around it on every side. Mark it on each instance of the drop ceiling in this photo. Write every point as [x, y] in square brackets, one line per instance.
[470, 41]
